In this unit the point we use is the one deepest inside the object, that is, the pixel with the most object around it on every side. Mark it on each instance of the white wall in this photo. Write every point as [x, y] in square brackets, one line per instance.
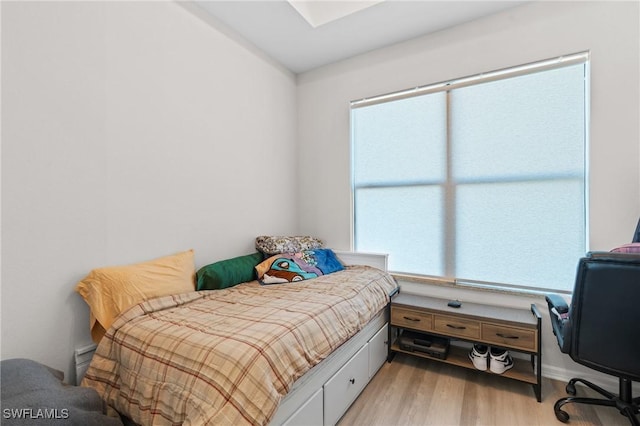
[134, 130]
[130, 130]
[534, 31]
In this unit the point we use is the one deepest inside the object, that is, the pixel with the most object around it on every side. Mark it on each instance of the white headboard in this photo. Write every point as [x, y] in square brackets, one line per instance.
[376, 260]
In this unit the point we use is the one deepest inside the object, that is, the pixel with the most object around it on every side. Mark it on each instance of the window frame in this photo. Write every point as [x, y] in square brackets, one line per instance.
[449, 185]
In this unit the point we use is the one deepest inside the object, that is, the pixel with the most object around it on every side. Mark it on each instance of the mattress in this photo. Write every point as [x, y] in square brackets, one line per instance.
[230, 356]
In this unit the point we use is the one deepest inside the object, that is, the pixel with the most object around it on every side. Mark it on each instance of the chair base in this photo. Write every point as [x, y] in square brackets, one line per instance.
[625, 403]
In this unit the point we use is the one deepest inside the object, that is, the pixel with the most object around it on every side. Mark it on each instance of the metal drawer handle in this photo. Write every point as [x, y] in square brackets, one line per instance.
[504, 336]
[352, 380]
[412, 319]
[457, 327]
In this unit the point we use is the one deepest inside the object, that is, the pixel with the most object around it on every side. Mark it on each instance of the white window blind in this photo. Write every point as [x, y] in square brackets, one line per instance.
[481, 179]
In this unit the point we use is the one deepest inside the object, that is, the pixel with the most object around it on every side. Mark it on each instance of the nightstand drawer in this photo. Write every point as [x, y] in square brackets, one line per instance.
[460, 327]
[401, 317]
[509, 336]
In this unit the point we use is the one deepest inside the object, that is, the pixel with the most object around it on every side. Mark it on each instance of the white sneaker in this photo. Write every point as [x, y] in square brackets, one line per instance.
[500, 360]
[478, 356]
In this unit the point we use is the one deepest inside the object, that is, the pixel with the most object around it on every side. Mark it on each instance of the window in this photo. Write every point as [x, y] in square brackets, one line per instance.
[479, 180]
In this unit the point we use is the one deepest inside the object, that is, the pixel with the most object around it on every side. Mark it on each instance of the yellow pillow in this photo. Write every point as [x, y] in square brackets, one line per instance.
[111, 290]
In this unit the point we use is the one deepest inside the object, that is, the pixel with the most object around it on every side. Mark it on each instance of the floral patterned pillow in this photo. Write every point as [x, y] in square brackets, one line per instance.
[270, 245]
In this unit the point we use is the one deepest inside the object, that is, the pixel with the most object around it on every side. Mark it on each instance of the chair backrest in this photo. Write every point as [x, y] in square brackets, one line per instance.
[605, 314]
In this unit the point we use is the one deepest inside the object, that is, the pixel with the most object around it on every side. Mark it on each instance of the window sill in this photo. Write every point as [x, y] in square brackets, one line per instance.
[445, 282]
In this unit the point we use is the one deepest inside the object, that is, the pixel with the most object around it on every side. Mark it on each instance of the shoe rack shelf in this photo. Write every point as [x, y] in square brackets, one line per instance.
[516, 330]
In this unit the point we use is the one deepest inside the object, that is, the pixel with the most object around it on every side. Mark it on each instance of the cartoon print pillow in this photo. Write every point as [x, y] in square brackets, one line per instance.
[293, 267]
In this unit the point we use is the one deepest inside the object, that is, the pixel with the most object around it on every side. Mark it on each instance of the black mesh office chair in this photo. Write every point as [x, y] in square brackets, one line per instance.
[601, 329]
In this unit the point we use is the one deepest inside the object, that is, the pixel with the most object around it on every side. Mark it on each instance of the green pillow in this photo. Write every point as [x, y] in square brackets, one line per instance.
[227, 273]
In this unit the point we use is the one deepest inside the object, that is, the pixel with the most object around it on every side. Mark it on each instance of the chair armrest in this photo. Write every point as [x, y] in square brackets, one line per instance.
[559, 316]
[558, 303]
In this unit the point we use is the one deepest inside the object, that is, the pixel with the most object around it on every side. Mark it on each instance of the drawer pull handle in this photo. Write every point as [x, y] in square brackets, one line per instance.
[457, 327]
[352, 380]
[505, 336]
[412, 319]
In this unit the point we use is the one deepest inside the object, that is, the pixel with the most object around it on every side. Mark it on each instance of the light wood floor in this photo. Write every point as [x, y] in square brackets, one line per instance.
[416, 391]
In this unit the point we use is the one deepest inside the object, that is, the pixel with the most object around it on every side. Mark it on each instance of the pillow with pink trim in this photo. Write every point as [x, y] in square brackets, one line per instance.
[633, 248]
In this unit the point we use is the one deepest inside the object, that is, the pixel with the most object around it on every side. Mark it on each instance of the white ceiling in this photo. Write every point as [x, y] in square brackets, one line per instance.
[279, 30]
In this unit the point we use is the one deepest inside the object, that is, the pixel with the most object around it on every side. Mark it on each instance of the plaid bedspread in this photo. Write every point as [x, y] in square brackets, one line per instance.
[228, 356]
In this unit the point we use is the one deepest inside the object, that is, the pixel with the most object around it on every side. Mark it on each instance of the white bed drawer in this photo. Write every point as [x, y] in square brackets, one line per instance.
[310, 414]
[378, 350]
[343, 388]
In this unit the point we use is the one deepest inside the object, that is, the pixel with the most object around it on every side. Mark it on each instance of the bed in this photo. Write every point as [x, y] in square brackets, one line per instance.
[293, 353]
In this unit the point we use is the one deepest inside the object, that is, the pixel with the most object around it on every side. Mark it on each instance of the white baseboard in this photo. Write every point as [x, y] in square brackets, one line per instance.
[605, 381]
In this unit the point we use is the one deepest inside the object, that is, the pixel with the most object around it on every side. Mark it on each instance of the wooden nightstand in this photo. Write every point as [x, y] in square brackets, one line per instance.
[508, 328]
